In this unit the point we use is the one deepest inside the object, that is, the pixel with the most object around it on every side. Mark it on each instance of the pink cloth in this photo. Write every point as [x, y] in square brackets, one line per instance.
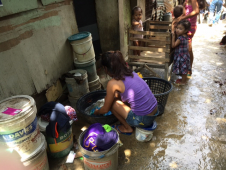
[71, 113]
[192, 20]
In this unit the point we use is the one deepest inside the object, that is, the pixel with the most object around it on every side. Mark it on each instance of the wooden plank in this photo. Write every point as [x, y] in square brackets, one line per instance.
[150, 41]
[163, 34]
[159, 27]
[162, 66]
[161, 22]
[152, 71]
[149, 58]
[149, 49]
[157, 38]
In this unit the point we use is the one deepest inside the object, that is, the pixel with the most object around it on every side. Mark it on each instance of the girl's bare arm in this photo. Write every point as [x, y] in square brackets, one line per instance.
[174, 44]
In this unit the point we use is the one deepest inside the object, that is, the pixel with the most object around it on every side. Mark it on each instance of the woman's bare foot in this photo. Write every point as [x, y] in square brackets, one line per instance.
[123, 129]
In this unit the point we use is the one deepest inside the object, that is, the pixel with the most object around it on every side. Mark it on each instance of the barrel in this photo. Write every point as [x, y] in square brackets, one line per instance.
[63, 144]
[95, 85]
[18, 125]
[106, 160]
[73, 101]
[90, 67]
[77, 89]
[82, 46]
[39, 159]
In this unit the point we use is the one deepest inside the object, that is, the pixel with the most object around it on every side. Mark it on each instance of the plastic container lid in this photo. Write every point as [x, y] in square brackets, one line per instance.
[79, 36]
[23, 102]
[42, 124]
[152, 127]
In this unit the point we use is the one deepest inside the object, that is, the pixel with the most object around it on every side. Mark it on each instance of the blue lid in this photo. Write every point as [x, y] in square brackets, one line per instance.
[79, 36]
[152, 127]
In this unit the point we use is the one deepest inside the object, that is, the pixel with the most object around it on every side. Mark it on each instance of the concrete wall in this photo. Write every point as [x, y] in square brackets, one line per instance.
[108, 24]
[34, 49]
[124, 24]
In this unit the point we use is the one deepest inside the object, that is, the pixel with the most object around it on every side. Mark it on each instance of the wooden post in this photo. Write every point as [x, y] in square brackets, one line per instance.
[167, 55]
[147, 29]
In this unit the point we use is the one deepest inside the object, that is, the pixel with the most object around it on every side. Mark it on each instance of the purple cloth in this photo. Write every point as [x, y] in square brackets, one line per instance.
[107, 140]
[97, 139]
[90, 136]
[138, 94]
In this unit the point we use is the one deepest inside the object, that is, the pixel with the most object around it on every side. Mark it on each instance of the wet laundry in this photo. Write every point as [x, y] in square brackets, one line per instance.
[91, 109]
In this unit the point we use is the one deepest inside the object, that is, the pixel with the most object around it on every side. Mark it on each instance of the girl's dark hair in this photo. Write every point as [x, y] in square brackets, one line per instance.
[178, 11]
[116, 65]
[186, 24]
[136, 8]
[202, 4]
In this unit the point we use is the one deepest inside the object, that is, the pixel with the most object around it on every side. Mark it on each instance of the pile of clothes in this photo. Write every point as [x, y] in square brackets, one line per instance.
[99, 138]
[91, 109]
[58, 117]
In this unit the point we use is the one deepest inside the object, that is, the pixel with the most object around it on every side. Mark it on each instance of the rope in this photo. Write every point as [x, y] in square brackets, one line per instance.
[85, 52]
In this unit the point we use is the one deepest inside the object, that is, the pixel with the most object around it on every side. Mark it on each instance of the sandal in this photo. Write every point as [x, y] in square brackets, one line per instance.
[178, 81]
[180, 84]
[120, 132]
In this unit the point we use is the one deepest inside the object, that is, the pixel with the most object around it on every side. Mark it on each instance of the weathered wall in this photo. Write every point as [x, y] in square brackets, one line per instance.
[124, 24]
[141, 3]
[34, 51]
[108, 24]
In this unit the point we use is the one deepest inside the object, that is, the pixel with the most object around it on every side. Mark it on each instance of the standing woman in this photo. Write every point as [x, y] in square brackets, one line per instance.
[128, 97]
[192, 8]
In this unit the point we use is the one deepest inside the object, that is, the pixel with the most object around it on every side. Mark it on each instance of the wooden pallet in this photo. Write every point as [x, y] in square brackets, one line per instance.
[156, 52]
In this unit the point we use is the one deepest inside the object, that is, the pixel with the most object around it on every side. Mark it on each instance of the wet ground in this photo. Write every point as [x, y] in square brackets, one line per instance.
[191, 134]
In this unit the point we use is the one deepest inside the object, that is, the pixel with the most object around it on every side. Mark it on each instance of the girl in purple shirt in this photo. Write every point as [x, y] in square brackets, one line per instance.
[128, 97]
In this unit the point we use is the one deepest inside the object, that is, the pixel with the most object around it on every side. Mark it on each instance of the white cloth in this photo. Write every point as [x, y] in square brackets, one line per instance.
[137, 28]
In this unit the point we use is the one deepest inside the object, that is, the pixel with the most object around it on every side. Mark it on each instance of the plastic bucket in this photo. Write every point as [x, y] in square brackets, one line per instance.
[76, 89]
[107, 160]
[20, 131]
[82, 46]
[73, 101]
[95, 85]
[39, 160]
[90, 67]
[145, 134]
[63, 144]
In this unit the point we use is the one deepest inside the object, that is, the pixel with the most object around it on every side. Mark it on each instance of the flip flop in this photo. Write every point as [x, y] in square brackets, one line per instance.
[119, 131]
[188, 75]
[178, 80]
[180, 84]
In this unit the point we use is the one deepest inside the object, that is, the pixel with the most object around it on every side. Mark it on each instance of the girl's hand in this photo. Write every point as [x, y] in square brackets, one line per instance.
[176, 20]
[139, 25]
[96, 112]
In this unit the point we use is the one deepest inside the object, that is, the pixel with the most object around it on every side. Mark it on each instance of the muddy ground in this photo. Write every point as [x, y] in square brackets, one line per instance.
[191, 134]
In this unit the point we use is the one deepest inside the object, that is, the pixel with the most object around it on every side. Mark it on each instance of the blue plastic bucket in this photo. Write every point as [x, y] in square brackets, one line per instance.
[145, 134]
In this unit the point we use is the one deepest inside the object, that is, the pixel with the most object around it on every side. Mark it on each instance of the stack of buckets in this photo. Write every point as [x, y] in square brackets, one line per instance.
[19, 131]
[84, 57]
[77, 87]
